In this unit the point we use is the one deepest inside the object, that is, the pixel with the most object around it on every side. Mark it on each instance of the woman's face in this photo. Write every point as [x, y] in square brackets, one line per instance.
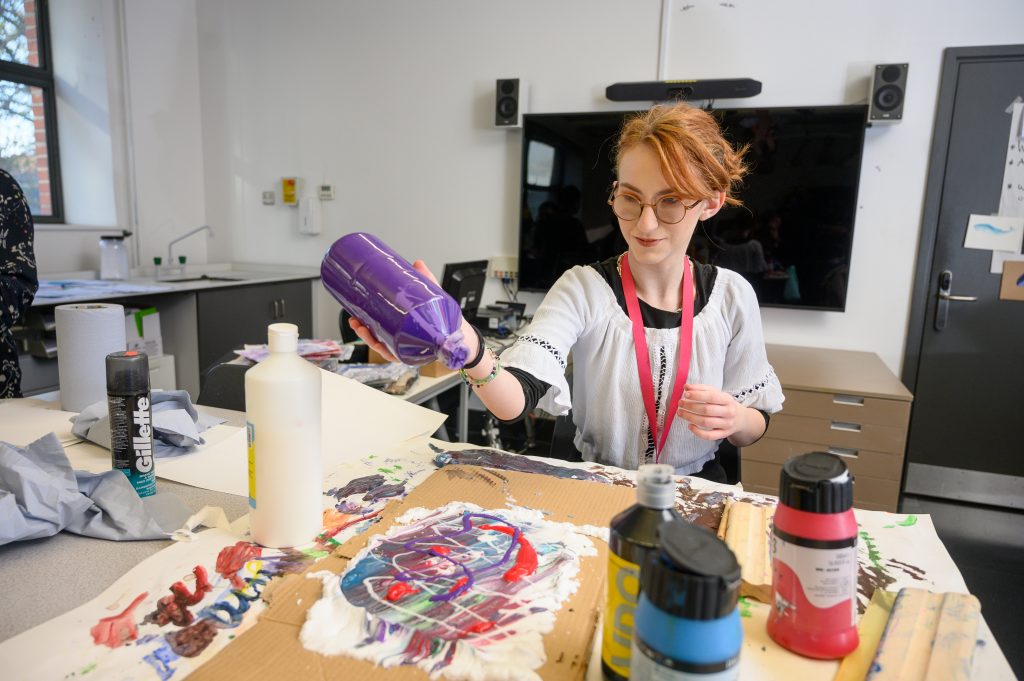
[652, 242]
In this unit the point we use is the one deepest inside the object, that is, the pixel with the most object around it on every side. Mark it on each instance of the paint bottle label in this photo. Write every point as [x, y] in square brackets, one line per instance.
[650, 666]
[131, 440]
[815, 581]
[623, 590]
[250, 440]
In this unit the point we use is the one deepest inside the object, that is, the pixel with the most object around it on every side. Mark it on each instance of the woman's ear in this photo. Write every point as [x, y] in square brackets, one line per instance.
[713, 205]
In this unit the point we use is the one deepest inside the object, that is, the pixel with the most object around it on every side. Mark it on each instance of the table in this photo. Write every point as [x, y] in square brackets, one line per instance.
[54, 567]
[425, 391]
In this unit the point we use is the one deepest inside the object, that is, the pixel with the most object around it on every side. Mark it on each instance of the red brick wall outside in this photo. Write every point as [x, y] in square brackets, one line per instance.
[38, 115]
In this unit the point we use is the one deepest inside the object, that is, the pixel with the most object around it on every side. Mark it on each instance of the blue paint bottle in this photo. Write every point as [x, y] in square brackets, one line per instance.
[687, 625]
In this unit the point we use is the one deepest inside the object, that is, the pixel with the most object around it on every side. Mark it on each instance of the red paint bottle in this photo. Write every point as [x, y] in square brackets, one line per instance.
[814, 558]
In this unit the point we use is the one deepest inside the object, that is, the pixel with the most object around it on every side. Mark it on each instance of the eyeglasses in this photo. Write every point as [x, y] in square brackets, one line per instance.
[668, 209]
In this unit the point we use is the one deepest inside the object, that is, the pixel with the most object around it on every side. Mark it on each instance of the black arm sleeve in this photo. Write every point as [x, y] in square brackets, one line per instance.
[533, 390]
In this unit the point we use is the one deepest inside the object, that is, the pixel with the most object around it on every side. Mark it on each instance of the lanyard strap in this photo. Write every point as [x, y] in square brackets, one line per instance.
[643, 358]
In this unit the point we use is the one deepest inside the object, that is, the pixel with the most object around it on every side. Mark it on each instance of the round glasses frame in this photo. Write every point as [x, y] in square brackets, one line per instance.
[653, 206]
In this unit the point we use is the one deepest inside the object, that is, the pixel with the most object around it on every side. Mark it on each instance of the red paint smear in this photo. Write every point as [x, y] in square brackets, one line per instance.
[174, 608]
[478, 628]
[459, 584]
[116, 630]
[399, 590]
[526, 558]
[441, 550]
[231, 559]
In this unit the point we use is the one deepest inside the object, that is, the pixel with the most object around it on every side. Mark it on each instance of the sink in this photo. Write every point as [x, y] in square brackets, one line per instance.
[203, 277]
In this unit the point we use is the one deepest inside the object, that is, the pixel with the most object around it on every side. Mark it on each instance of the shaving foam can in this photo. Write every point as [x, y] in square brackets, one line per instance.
[814, 558]
[687, 623]
[131, 419]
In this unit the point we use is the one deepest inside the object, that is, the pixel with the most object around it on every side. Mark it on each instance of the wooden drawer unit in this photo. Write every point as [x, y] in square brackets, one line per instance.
[838, 401]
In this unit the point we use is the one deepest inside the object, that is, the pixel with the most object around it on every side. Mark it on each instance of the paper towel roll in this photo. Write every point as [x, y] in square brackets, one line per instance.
[86, 334]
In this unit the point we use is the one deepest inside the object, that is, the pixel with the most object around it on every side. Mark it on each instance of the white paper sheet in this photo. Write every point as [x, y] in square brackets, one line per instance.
[1011, 194]
[357, 421]
[26, 420]
[995, 233]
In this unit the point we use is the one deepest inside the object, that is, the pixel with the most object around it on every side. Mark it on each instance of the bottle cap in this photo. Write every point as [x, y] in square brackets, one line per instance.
[127, 372]
[283, 337]
[655, 487]
[694, 576]
[816, 482]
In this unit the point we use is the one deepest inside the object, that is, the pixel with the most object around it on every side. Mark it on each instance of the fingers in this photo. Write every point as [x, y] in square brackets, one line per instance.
[422, 268]
[367, 336]
[715, 434]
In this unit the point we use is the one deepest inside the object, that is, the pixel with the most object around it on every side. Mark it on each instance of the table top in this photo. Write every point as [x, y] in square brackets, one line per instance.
[55, 576]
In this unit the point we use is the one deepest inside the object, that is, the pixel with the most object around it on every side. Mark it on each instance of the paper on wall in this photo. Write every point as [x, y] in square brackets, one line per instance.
[995, 233]
[1011, 195]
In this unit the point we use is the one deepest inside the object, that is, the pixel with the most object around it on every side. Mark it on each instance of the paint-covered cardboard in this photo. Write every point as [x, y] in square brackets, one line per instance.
[271, 649]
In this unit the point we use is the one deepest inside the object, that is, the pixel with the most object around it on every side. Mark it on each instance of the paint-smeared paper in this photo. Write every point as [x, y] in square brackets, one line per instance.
[1012, 285]
[995, 233]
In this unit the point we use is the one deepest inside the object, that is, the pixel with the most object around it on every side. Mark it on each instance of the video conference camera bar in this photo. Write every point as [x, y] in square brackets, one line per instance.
[662, 90]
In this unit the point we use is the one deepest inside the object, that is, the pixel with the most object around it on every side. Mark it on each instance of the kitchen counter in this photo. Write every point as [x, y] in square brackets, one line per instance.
[85, 286]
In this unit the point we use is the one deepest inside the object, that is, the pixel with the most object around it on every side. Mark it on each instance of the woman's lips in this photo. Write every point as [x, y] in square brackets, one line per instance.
[648, 242]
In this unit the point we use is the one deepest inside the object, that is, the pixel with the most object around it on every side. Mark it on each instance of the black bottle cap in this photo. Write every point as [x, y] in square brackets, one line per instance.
[127, 372]
[694, 576]
[816, 482]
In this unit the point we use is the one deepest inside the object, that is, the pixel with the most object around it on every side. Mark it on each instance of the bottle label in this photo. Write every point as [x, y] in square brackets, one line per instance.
[623, 591]
[250, 440]
[131, 440]
[650, 666]
[822, 579]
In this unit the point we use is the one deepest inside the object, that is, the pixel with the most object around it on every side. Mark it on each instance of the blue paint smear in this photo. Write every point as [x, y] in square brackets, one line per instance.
[992, 229]
[1020, 280]
[161, 659]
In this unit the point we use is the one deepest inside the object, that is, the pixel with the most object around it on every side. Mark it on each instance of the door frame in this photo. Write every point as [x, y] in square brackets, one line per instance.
[940, 481]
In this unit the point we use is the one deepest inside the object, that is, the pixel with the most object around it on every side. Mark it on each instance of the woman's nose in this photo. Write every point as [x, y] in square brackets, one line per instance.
[647, 220]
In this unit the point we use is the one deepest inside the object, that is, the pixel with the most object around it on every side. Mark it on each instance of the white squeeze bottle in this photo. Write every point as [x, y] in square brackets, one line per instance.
[282, 414]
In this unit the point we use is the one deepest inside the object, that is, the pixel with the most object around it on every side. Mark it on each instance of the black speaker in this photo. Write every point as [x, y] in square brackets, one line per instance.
[509, 103]
[888, 93]
[661, 90]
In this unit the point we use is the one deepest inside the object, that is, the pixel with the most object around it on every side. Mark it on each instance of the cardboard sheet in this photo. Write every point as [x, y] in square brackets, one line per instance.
[272, 649]
[26, 420]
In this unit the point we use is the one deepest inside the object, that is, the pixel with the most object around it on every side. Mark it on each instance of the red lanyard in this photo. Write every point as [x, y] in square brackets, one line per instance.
[643, 359]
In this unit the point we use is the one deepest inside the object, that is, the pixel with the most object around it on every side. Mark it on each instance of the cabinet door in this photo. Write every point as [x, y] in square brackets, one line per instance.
[231, 317]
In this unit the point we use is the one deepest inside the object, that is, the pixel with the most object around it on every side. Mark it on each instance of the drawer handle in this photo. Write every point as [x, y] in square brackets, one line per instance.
[848, 400]
[843, 451]
[848, 427]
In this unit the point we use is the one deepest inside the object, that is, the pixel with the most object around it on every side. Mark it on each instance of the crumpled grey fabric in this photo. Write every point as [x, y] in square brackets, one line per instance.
[176, 423]
[40, 495]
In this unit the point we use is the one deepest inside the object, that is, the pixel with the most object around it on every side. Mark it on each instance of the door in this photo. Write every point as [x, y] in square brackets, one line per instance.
[964, 358]
[233, 316]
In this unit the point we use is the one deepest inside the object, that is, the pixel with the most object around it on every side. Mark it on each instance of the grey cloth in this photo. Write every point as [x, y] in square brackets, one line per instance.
[40, 495]
[176, 423]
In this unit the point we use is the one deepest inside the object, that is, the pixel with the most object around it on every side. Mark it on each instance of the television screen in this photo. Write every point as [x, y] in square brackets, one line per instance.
[791, 238]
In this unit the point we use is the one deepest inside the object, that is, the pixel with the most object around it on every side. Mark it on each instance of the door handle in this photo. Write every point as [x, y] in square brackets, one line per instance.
[944, 296]
[284, 310]
[277, 310]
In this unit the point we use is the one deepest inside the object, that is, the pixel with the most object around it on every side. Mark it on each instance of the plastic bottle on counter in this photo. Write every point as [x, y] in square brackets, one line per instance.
[814, 558]
[633, 536]
[411, 315]
[131, 419]
[282, 414]
[687, 623]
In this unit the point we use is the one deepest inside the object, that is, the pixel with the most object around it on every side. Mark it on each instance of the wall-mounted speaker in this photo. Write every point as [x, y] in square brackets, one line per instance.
[888, 93]
[509, 103]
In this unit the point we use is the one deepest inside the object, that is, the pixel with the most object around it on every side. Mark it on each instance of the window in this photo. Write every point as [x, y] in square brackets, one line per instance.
[28, 112]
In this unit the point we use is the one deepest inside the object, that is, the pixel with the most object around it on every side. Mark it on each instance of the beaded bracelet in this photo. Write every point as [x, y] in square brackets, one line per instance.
[478, 382]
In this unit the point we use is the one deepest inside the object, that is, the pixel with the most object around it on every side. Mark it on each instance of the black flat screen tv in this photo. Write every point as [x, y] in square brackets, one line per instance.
[791, 238]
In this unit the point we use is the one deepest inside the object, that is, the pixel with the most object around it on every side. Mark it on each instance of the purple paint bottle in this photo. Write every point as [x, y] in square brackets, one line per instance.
[408, 313]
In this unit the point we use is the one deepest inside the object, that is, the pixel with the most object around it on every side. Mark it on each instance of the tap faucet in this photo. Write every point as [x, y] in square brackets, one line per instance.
[184, 236]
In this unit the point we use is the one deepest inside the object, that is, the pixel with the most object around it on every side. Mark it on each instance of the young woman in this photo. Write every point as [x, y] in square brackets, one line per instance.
[668, 355]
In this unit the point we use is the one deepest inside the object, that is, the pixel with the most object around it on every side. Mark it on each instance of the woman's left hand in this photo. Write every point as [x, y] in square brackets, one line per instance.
[711, 413]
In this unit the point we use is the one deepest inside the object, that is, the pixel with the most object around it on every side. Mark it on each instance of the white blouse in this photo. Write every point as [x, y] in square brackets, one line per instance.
[580, 313]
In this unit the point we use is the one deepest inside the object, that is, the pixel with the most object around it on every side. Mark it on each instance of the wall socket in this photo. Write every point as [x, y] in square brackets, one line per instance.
[504, 267]
[268, 198]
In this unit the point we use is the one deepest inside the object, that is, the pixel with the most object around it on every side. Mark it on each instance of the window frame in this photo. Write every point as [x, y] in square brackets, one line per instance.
[42, 76]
